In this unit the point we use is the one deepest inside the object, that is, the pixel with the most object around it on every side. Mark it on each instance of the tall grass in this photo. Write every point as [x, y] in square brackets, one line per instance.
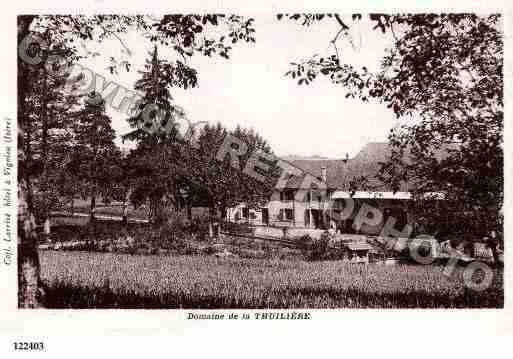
[103, 280]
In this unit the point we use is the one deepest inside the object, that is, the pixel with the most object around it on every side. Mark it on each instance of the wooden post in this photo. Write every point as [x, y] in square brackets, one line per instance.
[293, 209]
[125, 207]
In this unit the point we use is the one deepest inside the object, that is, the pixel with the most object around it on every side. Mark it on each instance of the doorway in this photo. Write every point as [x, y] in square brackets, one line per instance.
[265, 216]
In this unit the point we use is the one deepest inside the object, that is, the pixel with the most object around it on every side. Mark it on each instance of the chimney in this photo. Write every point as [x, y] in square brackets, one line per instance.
[324, 176]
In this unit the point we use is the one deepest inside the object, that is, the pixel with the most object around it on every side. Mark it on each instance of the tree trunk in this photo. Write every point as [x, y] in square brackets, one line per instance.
[30, 290]
[92, 209]
[44, 159]
[495, 254]
[47, 227]
[224, 213]
[125, 208]
[151, 212]
[492, 243]
[210, 230]
[156, 210]
[211, 211]
[125, 214]
[189, 212]
[223, 219]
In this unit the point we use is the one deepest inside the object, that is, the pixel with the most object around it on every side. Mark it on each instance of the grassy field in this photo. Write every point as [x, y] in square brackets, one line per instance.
[106, 280]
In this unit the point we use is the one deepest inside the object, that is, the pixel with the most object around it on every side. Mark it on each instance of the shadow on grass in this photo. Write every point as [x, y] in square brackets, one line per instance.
[63, 296]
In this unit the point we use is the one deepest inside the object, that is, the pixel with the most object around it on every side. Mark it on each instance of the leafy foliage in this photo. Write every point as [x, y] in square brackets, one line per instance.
[446, 72]
[169, 169]
[71, 34]
[95, 159]
[218, 183]
[154, 167]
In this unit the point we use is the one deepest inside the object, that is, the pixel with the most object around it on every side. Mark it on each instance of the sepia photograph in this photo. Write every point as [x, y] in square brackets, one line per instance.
[282, 160]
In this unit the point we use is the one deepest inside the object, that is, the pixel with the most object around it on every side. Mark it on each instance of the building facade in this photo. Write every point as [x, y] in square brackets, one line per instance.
[349, 187]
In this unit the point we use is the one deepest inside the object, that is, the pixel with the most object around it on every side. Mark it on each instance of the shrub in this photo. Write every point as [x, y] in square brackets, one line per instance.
[305, 242]
[199, 228]
[237, 228]
[319, 248]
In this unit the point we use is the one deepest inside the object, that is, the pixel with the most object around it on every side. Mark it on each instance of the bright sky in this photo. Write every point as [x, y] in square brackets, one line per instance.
[250, 88]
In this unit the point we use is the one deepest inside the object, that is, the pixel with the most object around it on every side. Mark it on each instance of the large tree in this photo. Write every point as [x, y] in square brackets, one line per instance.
[95, 157]
[157, 170]
[446, 72]
[221, 183]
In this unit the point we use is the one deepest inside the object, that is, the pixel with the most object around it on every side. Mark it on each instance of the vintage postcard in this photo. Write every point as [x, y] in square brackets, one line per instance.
[165, 169]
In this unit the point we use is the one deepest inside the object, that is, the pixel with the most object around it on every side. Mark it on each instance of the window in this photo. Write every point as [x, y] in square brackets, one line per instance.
[287, 195]
[245, 212]
[286, 214]
[399, 215]
[265, 216]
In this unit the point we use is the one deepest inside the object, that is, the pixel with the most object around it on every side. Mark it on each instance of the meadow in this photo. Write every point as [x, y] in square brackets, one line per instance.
[115, 280]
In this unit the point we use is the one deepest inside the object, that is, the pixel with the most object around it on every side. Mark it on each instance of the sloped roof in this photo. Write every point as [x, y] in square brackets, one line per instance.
[365, 164]
[340, 172]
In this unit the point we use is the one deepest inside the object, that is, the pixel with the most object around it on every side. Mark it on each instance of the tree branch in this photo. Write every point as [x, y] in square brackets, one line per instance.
[340, 22]
[129, 52]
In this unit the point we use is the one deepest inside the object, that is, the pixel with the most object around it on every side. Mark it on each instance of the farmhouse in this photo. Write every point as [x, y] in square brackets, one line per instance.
[350, 184]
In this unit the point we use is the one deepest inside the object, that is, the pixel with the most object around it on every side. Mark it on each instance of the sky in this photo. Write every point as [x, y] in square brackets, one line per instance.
[250, 88]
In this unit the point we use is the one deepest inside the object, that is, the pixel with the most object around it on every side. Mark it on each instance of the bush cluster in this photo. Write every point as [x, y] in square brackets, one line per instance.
[175, 235]
[320, 249]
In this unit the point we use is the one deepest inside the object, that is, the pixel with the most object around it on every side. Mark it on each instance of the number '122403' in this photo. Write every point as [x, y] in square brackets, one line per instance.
[29, 346]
